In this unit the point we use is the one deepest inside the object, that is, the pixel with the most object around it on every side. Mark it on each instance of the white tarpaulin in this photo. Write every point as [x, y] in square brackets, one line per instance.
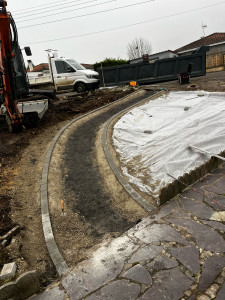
[152, 140]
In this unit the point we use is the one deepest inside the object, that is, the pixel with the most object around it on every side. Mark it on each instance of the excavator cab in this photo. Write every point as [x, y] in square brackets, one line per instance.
[14, 84]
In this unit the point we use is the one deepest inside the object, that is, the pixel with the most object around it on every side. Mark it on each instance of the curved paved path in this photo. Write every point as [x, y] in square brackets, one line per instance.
[177, 252]
[83, 184]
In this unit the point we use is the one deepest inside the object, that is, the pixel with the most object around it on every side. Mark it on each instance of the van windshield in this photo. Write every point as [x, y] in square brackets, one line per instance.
[75, 64]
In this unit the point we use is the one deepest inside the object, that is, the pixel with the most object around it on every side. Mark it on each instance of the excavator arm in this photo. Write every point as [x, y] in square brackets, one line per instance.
[7, 72]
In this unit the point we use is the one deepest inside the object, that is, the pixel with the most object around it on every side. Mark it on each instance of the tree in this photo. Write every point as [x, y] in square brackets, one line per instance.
[110, 62]
[138, 47]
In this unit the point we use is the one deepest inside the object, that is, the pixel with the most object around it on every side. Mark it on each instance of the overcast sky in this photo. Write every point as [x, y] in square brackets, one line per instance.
[166, 24]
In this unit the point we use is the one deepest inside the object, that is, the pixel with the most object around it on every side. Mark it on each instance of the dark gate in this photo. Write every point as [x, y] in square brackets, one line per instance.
[160, 70]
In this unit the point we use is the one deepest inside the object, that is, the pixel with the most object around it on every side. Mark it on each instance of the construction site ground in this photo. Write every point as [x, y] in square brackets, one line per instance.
[21, 162]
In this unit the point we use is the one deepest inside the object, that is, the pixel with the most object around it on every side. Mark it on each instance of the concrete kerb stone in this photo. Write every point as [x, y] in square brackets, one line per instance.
[51, 245]
[54, 253]
[48, 233]
[134, 195]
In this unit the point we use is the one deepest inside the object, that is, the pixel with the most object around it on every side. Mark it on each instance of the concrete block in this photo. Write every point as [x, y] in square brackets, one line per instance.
[28, 284]
[24, 287]
[56, 257]
[62, 268]
[8, 270]
[48, 233]
[51, 245]
[9, 291]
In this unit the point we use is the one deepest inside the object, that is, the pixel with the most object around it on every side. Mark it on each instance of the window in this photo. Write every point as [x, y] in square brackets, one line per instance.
[75, 64]
[61, 66]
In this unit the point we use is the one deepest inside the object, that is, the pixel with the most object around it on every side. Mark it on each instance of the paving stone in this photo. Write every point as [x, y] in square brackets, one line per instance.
[221, 293]
[52, 294]
[215, 189]
[189, 193]
[180, 214]
[145, 253]
[211, 268]
[214, 224]
[105, 265]
[169, 284]
[117, 290]
[188, 256]
[198, 185]
[206, 238]
[140, 274]
[210, 179]
[220, 183]
[160, 232]
[162, 263]
[215, 200]
[219, 171]
[167, 209]
[198, 209]
[144, 223]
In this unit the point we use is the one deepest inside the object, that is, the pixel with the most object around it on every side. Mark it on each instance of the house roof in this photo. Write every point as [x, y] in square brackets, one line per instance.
[211, 39]
[40, 68]
[88, 66]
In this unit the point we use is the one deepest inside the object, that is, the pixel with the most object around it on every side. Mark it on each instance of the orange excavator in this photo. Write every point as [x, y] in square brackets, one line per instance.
[14, 84]
[7, 77]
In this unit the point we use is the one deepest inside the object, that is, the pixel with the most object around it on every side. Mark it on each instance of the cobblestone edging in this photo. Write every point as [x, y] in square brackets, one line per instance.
[22, 288]
[135, 196]
[52, 247]
[176, 187]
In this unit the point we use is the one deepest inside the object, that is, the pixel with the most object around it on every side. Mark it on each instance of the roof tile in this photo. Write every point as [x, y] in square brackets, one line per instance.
[214, 38]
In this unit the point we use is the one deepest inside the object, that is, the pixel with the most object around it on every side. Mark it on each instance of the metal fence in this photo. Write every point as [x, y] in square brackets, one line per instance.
[160, 70]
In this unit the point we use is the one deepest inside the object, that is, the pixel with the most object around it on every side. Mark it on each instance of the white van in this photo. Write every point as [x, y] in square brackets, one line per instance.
[66, 73]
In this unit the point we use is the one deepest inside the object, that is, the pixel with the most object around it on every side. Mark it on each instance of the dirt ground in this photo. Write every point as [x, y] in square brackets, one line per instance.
[21, 162]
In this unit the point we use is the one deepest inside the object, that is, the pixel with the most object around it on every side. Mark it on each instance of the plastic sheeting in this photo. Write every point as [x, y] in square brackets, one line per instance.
[152, 140]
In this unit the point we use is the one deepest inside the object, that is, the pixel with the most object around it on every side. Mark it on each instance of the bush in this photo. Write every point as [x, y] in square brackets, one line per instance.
[110, 62]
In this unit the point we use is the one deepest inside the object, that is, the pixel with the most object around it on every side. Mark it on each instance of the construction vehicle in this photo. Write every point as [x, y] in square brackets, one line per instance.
[65, 73]
[15, 110]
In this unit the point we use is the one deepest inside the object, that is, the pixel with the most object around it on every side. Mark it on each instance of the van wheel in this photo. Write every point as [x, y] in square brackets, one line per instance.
[81, 87]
